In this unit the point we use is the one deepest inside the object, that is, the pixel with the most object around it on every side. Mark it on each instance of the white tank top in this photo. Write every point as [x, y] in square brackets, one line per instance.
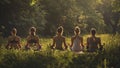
[77, 44]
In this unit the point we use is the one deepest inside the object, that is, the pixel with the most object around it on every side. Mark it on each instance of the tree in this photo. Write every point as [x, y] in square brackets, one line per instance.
[89, 17]
[111, 15]
[21, 14]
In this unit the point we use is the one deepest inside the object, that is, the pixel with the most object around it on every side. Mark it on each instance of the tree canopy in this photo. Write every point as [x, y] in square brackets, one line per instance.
[47, 15]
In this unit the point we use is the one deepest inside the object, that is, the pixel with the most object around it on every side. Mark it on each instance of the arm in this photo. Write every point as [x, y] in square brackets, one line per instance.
[82, 42]
[19, 40]
[27, 44]
[38, 42]
[71, 42]
[8, 43]
[87, 46]
[53, 43]
[99, 42]
[101, 46]
[65, 43]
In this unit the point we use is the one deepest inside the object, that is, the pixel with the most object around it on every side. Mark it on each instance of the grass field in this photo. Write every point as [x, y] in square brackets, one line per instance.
[47, 58]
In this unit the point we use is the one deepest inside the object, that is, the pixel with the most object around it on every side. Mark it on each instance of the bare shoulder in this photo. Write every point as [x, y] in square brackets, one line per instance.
[73, 37]
[28, 37]
[80, 37]
[98, 38]
[88, 38]
[54, 37]
[18, 37]
[63, 37]
[9, 37]
[37, 36]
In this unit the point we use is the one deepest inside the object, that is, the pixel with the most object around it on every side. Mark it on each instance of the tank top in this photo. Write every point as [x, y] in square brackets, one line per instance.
[77, 44]
[93, 43]
[59, 42]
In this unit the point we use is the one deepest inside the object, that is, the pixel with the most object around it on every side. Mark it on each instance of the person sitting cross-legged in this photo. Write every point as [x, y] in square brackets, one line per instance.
[93, 42]
[13, 40]
[77, 41]
[33, 40]
[59, 40]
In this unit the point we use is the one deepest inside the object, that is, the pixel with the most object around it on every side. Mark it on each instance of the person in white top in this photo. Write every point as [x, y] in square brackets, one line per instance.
[77, 41]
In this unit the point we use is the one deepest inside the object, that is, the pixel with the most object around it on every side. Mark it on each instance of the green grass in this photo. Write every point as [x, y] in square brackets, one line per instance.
[47, 58]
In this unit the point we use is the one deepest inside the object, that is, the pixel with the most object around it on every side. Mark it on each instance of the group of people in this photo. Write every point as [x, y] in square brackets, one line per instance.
[93, 42]
[32, 40]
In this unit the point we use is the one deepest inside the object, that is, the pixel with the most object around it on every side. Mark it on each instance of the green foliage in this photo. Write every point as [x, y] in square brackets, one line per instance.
[111, 15]
[61, 13]
[47, 15]
[48, 58]
[22, 15]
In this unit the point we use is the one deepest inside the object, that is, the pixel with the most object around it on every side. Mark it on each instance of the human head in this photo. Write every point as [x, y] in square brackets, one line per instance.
[14, 31]
[32, 30]
[60, 30]
[93, 31]
[77, 30]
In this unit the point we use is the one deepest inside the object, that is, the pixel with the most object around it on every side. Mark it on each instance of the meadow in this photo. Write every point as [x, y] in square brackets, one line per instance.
[48, 58]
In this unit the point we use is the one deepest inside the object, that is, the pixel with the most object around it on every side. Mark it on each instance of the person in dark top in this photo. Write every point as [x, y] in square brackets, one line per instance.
[93, 42]
[33, 40]
[13, 40]
[59, 40]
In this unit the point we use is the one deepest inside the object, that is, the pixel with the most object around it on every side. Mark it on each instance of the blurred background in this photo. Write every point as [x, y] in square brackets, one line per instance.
[47, 15]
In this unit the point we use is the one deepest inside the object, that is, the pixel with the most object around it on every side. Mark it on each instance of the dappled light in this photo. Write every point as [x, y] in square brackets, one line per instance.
[59, 34]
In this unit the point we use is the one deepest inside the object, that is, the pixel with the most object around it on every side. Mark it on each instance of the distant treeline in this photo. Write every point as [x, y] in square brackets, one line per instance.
[47, 15]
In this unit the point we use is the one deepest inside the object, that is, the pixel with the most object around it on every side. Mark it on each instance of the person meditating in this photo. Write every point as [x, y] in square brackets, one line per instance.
[33, 40]
[13, 40]
[59, 40]
[77, 41]
[93, 42]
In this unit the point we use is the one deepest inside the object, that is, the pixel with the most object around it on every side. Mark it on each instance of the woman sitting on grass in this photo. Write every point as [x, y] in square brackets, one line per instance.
[59, 40]
[93, 42]
[77, 41]
[13, 40]
[33, 39]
